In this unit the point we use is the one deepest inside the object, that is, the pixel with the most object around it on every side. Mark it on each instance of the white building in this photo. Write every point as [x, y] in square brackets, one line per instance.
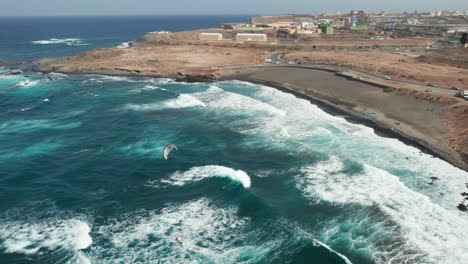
[251, 37]
[211, 36]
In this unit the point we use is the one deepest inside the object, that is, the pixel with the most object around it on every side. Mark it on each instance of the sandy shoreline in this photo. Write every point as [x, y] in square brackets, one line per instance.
[355, 118]
[338, 94]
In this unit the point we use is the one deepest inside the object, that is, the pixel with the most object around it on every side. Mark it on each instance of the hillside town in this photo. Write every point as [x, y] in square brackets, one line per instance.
[354, 30]
[443, 23]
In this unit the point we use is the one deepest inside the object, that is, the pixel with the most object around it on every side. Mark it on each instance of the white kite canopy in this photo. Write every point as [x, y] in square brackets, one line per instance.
[167, 149]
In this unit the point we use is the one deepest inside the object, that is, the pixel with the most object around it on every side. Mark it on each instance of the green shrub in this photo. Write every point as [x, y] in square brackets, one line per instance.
[388, 89]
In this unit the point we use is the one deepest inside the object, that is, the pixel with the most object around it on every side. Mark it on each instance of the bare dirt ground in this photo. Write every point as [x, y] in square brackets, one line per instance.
[450, 57]
[398, 66]
[154, 60]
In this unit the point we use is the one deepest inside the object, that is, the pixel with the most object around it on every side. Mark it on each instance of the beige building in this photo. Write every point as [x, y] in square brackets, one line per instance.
[211, 36]
[251, 37]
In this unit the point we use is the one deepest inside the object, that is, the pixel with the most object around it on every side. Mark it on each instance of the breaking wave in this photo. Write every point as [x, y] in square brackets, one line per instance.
[32, 238]
[26, 83]
[199, 173]
[208, 234]
[146, 88]
[182, 101]
[217, 98]
[422, 231]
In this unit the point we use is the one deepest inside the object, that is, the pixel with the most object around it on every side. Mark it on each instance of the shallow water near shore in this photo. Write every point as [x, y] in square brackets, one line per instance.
[260, 177]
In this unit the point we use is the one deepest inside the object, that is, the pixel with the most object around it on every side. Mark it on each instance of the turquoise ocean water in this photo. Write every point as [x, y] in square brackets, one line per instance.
[259, 176]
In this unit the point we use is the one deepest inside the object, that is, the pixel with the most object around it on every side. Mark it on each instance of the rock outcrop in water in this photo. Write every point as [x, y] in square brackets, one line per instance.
[191, 78]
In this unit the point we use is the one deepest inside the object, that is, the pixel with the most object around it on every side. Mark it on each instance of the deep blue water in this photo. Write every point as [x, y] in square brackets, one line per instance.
[18, 33]
[259, 176]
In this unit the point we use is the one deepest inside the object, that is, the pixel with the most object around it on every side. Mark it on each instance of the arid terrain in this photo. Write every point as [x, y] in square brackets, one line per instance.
[437, 120]
[163, 60]
[393, 64]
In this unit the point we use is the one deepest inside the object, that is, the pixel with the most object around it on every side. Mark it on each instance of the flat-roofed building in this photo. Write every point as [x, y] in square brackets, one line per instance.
[251, 37]
[211, 36]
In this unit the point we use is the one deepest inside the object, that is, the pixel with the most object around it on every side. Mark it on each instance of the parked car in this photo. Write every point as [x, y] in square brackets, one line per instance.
[387, 78]
[431, 84]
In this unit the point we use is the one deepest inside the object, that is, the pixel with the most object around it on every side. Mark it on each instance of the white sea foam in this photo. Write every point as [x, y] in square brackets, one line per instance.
[31, 238]
[315, 129]
[217, 98]
[182, 101]
[436, 233]
[146, 88]
[208, 234]
[113, 78]
[163, 80]
[27, 82]
[199, 173]
[66, 41]
[420, 214]
[125, 45]
[58, 74]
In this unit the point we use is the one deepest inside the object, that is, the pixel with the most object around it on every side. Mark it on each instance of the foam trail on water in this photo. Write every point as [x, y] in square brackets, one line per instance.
[182, 101]
[337, 253]
[203, 172]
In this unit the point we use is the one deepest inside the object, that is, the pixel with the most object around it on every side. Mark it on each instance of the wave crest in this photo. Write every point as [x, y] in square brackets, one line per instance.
[182, 101]
[420, 228]
[203, 172]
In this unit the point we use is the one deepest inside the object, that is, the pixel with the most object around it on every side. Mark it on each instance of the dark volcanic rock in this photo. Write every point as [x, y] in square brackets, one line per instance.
[196, 78]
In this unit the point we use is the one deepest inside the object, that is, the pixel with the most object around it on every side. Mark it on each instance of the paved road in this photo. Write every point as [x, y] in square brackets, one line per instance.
[276, 59]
